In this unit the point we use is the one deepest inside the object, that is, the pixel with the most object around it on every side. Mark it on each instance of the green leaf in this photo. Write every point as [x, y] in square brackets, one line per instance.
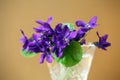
[70, 26]
[72, 54]
[27, 54]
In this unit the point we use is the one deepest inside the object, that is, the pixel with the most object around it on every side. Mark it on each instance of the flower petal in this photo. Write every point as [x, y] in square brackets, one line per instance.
[58, 28]
[23, 39]
[54, 48]
[35, 37]
[42, 57]
[39, 29]
[79, 35]
[40, 22]
[104, 38]
[80, 23]
[92, 22]
[59, 52]
[85, 29]
[49, 58]
[65, 31]
[73, 34]
[49, 19]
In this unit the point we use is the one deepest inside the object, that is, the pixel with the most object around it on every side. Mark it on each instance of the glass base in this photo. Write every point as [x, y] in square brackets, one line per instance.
[79, 71]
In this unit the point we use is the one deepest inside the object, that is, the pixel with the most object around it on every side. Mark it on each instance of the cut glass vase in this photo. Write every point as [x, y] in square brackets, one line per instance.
[78, 72]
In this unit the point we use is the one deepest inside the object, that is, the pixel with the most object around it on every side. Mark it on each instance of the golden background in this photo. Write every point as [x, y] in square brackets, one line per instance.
[21, 14]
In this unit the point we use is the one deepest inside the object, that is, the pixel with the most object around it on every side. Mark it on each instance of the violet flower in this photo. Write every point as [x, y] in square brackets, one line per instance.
[102, 42]
[44, 27]
[64, 34]
[49, 42]
[37, 43]
[80, 34]
[62, 37]
[24, 40]
[90, 25]
[29, 44]
[42, 44]
[47, 56]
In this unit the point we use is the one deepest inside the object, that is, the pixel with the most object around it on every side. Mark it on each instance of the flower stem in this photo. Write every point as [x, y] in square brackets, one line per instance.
[65, 75]
[84, 36]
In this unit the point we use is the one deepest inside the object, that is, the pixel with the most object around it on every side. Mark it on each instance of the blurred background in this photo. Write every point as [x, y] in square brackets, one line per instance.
[22, 14]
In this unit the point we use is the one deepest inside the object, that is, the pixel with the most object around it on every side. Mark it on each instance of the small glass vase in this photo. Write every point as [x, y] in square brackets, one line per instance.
[78, 72]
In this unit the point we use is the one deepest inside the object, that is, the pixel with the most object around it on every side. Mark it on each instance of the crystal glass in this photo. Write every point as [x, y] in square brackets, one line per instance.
[78, 72]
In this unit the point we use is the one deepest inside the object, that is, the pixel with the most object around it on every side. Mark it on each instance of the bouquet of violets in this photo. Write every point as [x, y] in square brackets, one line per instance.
[63, 44]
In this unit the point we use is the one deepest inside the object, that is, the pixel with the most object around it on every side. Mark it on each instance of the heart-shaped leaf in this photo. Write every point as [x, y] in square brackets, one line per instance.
[27, 54]
[72, 54]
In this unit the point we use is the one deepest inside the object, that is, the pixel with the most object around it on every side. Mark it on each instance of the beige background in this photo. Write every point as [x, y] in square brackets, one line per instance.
[21, 14]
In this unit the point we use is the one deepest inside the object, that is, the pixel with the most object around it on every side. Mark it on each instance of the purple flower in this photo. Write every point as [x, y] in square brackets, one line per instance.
[29, 44]
[61, 38]
[102, 42]
[63, 33]
[90, 25]
[42, 44]
[51, 42]
[24, 40]
[42, 57]
[32, 46]
[47, 56]
[80, 34]
[44, 27]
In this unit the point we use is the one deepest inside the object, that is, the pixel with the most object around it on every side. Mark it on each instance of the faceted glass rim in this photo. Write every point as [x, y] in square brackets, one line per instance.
[88, 45]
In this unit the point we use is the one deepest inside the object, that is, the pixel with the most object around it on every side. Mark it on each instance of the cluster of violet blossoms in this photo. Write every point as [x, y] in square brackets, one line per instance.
[50, 41]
